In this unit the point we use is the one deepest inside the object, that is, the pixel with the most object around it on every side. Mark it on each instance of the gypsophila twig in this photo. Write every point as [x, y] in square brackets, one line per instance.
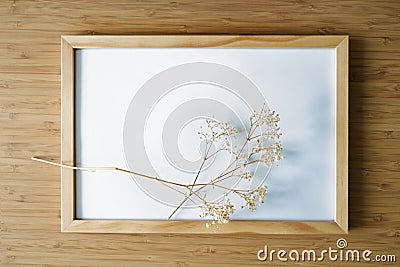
[261, 145]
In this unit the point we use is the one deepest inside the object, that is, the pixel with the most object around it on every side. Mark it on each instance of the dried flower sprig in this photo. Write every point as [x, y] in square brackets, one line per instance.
[220, 211]
[260, 146]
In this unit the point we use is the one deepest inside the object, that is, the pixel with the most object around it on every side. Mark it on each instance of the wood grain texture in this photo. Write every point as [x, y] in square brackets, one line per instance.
[67, 133]
[30, 125]
[342, 134]
[190, 227]
[204, 41]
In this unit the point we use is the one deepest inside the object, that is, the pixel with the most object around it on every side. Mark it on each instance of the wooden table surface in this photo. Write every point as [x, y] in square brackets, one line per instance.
[30, 125]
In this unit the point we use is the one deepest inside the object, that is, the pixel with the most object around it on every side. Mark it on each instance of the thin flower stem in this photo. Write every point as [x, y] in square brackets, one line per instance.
[216, 152]
[254, 161]
[206, 150]
[197, 195]
[250, 132]
[222, 178]
[217, 179]
[256, 136]
[93, 169]
[226, 178]
[237, 191]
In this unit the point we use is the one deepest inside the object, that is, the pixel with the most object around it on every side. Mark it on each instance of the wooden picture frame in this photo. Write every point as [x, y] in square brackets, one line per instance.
[69, 222]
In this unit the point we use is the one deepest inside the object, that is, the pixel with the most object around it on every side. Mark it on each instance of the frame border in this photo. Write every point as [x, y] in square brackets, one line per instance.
[68, 45]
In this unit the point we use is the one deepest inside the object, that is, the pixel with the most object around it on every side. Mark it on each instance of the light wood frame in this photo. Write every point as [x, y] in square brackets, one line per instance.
[69, 223]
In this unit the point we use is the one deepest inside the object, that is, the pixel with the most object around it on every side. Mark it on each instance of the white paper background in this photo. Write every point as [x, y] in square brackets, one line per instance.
[298, 83]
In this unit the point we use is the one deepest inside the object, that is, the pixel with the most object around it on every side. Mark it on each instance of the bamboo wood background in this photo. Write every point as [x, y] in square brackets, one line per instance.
[30, 125]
